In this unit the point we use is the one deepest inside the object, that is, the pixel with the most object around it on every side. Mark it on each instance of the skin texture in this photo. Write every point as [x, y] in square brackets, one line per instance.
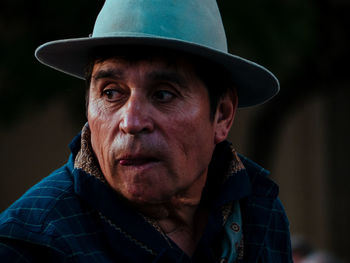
[153, 137]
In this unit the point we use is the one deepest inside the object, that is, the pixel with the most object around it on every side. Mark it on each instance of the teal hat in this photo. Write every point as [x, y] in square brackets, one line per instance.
[191, 26]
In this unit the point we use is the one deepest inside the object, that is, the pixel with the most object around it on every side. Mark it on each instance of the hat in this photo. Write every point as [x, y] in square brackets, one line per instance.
[192, 26]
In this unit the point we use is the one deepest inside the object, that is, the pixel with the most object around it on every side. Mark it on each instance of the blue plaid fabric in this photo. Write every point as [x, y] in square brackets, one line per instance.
[70, 216]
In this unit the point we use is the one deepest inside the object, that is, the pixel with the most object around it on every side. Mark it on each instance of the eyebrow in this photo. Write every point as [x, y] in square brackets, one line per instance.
[108, 73]
[157, 75]
[168, 76]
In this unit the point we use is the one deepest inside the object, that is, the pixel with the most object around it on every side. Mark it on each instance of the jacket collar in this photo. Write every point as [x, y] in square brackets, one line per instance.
[228, 179]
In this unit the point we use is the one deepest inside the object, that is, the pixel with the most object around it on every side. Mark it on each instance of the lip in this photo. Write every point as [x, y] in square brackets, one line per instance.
[136, 160]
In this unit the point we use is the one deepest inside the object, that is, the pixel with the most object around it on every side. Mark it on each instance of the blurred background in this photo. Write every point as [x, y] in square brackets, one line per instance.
[302, 136]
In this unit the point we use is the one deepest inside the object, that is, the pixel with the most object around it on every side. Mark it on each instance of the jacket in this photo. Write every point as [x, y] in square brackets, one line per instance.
[70, 216]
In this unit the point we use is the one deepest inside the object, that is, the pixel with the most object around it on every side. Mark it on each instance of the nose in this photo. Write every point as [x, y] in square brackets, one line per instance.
[136, 116]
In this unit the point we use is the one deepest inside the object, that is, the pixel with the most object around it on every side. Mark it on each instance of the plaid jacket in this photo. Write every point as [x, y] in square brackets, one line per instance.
[70, 216]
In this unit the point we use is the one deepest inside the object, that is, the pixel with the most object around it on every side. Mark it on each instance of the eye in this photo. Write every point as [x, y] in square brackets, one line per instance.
[164, 96]
[112, 94]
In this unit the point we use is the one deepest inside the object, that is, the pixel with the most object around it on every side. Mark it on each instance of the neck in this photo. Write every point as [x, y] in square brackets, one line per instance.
[181, 218]
[186, 227]
[183, 224]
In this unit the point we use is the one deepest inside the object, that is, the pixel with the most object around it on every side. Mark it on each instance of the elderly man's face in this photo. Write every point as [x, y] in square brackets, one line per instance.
[150, 127]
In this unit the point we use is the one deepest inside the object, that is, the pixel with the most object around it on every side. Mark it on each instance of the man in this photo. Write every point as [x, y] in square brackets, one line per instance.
[151, 177]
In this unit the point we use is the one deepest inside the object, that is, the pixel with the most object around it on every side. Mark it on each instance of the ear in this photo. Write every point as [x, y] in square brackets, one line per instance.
[225, 114]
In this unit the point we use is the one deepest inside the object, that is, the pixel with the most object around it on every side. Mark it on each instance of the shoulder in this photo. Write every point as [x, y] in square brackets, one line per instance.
[261, 183]
[264, 192]
[38, 201]
[39, 214]
[266, 223]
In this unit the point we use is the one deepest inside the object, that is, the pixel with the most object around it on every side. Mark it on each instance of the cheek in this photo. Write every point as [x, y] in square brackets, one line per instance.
[101, 129]
[194, 124]
[97, 121]
[102, 121]
[192, 134]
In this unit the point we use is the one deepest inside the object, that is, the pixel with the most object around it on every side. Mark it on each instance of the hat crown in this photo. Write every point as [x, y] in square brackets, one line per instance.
[196, 21]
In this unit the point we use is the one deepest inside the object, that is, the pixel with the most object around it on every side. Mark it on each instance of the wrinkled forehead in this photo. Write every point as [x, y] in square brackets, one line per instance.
[165, 59]
[179, 66]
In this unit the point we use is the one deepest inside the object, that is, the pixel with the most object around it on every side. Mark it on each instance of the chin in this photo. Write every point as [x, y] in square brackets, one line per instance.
[142, 197]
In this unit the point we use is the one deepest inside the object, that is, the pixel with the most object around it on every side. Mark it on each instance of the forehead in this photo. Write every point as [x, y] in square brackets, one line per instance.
[180, 64]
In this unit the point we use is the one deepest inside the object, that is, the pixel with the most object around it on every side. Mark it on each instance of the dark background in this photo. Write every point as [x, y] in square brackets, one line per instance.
[302, 135]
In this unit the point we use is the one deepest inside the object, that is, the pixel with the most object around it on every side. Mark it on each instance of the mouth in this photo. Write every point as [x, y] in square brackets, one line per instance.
[136, 160]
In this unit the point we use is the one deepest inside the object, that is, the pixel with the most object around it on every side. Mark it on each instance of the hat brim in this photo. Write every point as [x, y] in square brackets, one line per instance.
[254, 83]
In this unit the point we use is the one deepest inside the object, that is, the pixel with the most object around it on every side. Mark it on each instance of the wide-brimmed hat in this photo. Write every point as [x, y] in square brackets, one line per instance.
[191, 26]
